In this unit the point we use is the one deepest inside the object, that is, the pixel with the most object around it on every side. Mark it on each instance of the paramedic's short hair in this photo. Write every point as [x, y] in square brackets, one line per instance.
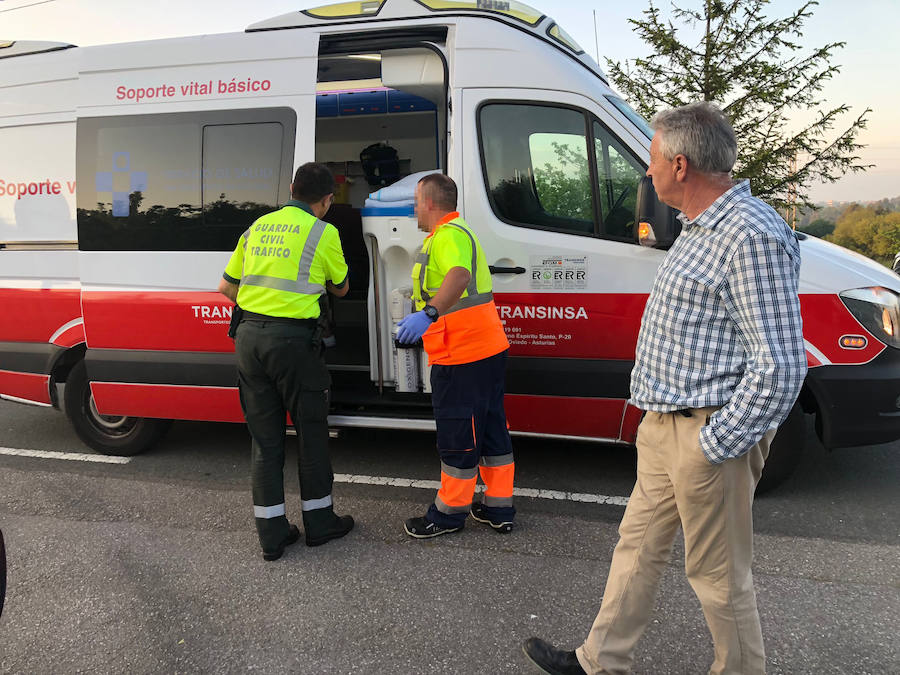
[699, 131]
[312, 182]
[441, 190]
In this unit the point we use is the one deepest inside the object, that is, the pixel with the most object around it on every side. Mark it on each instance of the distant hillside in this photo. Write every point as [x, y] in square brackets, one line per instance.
[817, 222]
[870, 228]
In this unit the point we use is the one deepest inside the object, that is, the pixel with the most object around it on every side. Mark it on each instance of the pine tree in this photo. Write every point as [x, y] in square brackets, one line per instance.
[730, 53]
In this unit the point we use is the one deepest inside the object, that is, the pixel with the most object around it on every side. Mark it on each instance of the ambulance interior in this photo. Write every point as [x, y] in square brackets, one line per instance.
[379, 119]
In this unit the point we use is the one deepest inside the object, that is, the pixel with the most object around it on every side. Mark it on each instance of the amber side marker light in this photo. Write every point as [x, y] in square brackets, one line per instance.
[887, 322]
[854, 342]
[646, 235]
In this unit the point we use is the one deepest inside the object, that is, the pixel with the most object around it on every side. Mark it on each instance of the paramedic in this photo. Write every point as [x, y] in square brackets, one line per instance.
[466, 345]
[720, 361]
[279, 268]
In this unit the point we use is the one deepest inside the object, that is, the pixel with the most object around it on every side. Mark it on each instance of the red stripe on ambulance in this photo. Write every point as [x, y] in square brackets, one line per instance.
[35, 314]
[28, 386]
[564, 415]
[165, 401]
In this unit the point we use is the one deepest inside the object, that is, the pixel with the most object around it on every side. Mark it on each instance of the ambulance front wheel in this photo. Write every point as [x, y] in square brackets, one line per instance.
[785, 452]
[108, 434]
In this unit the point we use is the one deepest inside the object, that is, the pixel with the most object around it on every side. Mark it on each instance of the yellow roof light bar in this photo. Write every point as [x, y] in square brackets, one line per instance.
[516, 10]
[346, 10]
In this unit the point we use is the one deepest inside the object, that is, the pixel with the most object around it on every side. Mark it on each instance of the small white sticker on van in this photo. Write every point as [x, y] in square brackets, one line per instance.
[558, 272]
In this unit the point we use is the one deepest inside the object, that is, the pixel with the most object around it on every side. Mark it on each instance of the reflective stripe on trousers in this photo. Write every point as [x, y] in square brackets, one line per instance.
[498, 474]
[457, 488]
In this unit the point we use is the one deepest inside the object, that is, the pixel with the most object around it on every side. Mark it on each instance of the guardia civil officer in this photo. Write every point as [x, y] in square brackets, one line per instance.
[279, 268]
[466, 345]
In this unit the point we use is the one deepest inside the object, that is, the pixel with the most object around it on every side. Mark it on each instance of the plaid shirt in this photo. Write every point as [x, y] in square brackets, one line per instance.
[722, 325]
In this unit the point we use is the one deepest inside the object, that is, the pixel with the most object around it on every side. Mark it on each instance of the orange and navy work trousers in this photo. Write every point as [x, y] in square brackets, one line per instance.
[472, 437]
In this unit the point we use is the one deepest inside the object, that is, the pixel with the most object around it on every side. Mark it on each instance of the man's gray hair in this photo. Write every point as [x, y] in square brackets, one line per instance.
[699, 131]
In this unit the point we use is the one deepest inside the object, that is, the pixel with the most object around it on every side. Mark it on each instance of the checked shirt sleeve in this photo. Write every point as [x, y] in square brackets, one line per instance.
[760, 297]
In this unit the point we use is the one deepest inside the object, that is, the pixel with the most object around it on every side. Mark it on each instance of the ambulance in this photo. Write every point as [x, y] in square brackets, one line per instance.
[128, 172]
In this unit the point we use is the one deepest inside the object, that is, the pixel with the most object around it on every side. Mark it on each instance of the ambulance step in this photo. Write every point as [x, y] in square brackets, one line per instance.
[376, 422]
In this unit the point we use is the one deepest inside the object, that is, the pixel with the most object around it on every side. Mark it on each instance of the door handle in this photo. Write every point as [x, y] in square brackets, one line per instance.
[507, 270]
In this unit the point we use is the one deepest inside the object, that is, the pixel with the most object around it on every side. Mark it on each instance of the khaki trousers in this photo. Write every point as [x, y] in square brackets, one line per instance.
[677, 486]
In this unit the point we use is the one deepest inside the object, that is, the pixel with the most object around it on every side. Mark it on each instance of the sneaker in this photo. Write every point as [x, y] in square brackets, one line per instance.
[478, 514]
[292, 536]
[419, 528]
[550, 659]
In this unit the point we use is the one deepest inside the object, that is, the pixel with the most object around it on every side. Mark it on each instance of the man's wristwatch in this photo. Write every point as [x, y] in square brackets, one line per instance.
[431, 312]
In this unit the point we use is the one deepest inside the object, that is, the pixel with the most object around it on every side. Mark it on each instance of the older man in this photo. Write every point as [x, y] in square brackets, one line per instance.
[720, 361]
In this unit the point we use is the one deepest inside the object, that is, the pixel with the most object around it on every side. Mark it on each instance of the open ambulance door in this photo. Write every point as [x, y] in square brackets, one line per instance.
[382, 119]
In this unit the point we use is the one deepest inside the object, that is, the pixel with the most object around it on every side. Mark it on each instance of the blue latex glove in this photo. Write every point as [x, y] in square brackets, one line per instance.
[412, 327]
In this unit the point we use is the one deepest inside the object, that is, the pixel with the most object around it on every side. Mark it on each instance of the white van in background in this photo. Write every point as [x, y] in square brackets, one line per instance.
[129, 170]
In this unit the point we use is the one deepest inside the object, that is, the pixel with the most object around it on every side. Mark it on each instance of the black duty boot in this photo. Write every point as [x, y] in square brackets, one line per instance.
[291, 538]
[550, 659]
[335, 529]
[502, 527]
[421, 528]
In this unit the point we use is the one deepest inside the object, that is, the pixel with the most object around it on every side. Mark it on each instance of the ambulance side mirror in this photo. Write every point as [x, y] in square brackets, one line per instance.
[657, 226]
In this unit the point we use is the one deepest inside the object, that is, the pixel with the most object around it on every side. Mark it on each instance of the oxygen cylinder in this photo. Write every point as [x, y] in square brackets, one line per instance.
[406, 362]
[424, 371]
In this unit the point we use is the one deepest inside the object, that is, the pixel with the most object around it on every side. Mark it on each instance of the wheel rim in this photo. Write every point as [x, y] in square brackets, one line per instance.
[109, 425]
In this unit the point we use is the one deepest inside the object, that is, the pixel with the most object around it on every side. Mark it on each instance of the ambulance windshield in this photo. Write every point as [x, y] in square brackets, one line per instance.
[632, 116]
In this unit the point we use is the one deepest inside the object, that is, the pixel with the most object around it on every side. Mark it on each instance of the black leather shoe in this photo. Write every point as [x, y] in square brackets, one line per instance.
[341, 526]
[550, 659]
[291, 538]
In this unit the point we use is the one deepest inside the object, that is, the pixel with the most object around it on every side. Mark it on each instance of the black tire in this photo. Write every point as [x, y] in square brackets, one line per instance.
[123, 436]
[785, 452]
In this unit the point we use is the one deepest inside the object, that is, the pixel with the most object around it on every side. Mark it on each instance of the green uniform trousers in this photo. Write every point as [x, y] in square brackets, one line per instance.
[281, 370]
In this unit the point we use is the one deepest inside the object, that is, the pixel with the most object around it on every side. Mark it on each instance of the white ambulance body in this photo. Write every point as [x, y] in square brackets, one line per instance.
[176, 145]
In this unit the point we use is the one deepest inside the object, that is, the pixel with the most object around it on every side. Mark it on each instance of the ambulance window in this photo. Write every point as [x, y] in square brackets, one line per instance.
[618, 175]
[241, 172]
[632, 116]
[537, 166]
[140, 180]
[180, 181]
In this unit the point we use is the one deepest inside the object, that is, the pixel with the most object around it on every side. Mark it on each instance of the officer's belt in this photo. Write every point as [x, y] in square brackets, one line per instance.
[253, 316]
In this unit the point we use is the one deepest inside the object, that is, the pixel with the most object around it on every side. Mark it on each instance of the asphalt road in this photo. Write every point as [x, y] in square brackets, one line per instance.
[153, 566]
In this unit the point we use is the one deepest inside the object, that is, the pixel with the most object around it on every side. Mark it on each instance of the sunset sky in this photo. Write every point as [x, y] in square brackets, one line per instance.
[867, 79]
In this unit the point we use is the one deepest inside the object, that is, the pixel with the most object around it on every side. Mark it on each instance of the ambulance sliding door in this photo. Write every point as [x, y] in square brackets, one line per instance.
[165, 191]
[550, 188]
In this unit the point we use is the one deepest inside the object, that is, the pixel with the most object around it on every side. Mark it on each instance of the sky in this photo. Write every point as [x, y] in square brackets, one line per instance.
[869, 61]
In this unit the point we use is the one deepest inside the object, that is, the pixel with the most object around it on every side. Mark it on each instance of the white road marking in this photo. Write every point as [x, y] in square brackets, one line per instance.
[517, 492]
[71, 456]
[534, 493]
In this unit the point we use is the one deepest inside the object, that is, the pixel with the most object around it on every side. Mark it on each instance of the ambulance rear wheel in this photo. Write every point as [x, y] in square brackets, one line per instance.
[785, 452]
[107, 434]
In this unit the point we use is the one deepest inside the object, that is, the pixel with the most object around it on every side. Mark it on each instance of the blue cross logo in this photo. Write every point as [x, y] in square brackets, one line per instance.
[105, 180]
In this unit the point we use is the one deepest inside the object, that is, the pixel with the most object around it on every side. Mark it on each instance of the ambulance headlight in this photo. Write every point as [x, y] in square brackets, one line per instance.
[878, 310]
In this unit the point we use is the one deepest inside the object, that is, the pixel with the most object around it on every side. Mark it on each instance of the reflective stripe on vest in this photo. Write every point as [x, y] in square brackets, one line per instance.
[302, 285]
[472, 297]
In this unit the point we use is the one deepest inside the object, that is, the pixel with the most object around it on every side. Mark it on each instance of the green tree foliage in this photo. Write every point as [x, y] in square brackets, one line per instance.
[564, 185]
[819, 228]
[865, 230]
[729, 52]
